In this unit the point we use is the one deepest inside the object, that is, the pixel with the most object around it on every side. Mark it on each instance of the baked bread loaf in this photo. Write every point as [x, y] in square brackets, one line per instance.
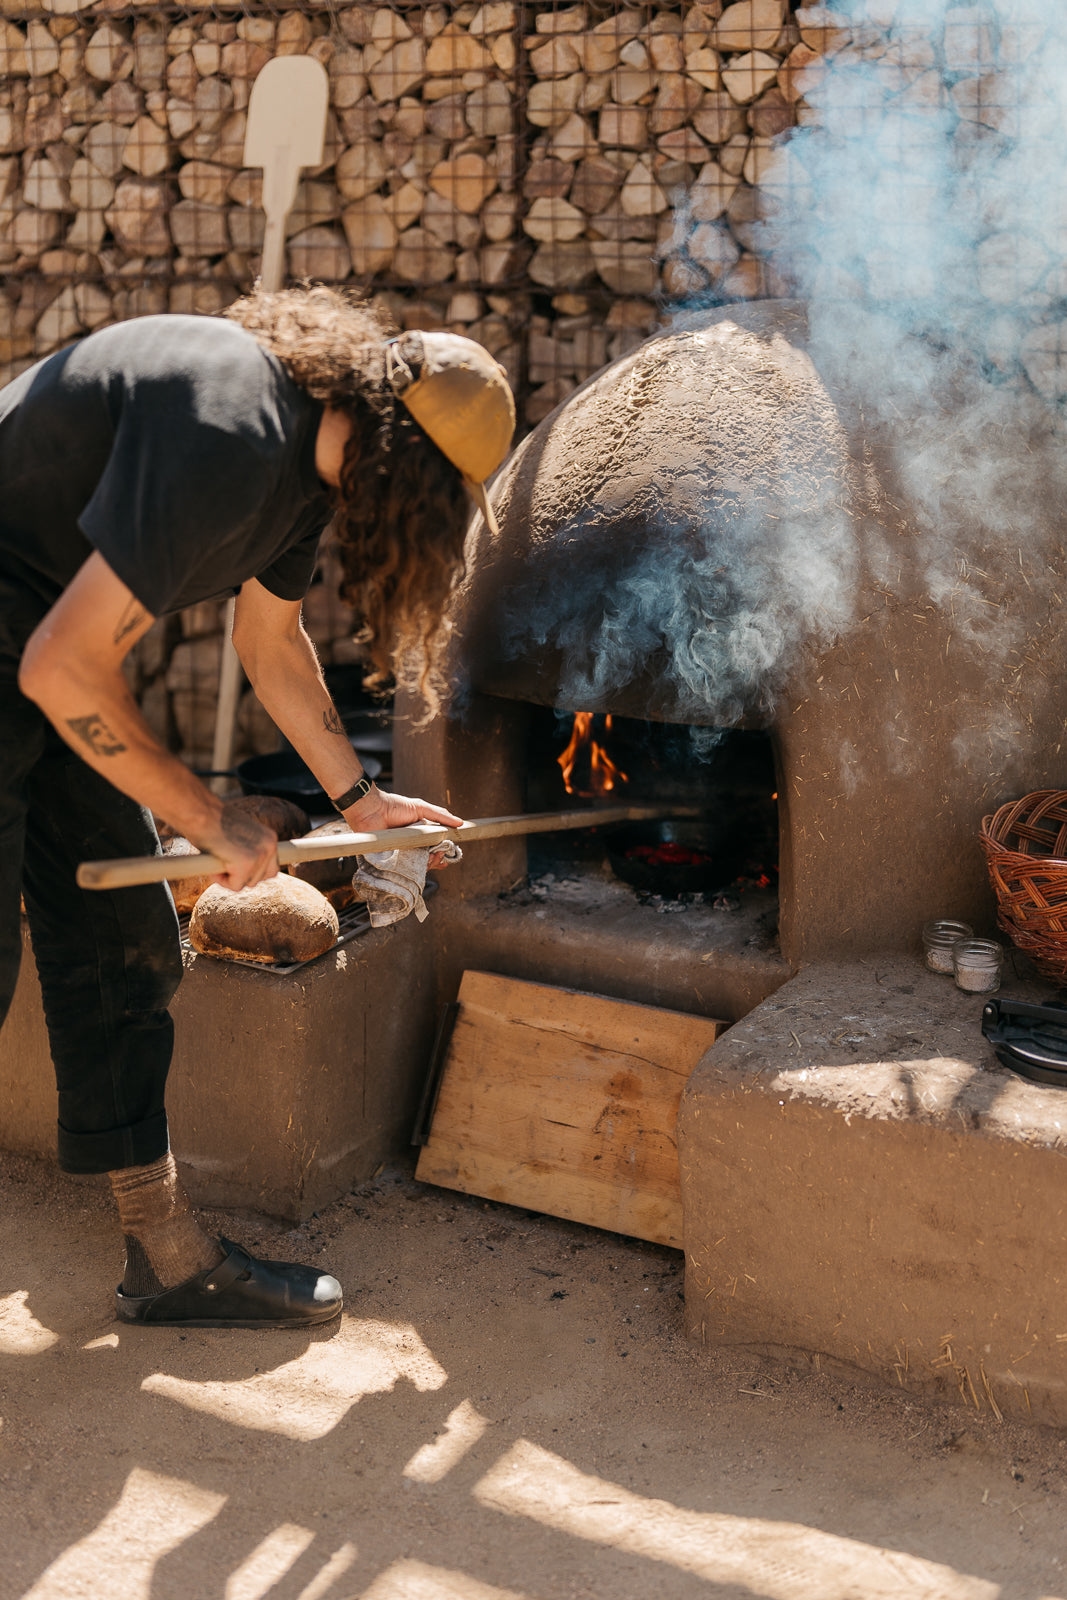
[284, 818]
[332, 877]
[280, 921]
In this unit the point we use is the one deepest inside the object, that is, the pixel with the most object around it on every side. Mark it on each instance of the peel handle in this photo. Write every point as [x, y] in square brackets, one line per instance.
[129, 871]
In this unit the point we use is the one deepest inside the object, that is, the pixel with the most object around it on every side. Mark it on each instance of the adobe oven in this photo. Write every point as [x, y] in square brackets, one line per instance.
[715, 533]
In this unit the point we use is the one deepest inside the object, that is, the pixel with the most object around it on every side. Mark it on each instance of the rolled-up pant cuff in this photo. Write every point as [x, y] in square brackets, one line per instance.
[133, 1146]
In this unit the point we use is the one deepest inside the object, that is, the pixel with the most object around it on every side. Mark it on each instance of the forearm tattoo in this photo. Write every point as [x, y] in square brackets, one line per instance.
[331, 721]
[133, 615]
[95, 732]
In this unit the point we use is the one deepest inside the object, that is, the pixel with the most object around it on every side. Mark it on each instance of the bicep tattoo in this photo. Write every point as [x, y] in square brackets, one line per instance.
[94, 732]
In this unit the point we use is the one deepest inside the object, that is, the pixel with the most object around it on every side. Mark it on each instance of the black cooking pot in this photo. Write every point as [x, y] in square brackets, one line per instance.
[367, 731]
[284, 774]
[630, 845]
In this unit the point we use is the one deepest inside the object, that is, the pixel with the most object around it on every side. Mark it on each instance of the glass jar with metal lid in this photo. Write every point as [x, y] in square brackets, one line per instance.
[938, 939]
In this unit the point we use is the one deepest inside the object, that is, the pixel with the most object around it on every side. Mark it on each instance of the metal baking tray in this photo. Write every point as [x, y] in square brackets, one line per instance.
[354, 922]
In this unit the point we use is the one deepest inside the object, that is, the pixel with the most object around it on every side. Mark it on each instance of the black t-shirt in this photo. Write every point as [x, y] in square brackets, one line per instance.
[176, 447]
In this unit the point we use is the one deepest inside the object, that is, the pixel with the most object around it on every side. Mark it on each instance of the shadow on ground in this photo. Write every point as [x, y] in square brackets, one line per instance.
[507, 1408]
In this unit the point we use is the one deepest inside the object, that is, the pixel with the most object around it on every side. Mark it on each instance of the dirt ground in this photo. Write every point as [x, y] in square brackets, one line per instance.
[507, 1408]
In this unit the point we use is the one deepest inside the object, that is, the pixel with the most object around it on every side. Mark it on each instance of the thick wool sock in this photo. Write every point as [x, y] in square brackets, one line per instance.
[165, 1244]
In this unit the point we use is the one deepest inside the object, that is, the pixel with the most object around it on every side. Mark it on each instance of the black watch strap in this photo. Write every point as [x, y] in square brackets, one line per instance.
[350, 796]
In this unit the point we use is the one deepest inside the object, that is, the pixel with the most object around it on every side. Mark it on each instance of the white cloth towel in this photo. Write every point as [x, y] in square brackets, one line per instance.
[391, 882]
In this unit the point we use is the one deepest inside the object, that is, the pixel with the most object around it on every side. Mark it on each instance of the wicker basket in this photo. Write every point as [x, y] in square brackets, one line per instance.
[1025, 845]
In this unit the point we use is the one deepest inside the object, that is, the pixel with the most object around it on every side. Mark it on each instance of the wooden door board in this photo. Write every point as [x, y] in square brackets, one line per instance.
[565, 1103]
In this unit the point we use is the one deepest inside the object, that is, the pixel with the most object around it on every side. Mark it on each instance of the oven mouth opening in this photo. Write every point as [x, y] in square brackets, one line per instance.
[728, 851]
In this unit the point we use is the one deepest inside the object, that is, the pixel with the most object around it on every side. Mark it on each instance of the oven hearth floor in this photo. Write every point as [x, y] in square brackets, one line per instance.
[579, 927]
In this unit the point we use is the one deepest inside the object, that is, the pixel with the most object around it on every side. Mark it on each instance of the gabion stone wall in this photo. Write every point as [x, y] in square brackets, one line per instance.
[545, 178]
[549, 179]
[553, 179]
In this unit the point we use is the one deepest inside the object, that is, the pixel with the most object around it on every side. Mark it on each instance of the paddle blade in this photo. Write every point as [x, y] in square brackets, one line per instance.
[287, 111]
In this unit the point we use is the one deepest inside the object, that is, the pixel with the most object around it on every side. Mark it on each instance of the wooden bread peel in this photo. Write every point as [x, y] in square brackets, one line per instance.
[286, 131]
[125, 872]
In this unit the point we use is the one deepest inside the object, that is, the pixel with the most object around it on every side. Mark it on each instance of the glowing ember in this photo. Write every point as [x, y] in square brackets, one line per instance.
[603, 774]
[668, 854]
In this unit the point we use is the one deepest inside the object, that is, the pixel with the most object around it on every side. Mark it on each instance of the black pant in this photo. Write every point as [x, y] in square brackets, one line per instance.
[109, 960]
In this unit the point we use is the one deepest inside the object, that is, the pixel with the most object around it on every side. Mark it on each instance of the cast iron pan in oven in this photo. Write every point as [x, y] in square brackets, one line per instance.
[640, 854]
[284, 774]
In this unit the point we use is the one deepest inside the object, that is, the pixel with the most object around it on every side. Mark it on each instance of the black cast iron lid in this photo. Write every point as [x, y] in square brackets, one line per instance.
[1029, 1039]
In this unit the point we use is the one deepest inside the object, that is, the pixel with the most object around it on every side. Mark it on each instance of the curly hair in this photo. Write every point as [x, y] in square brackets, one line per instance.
[401, 511]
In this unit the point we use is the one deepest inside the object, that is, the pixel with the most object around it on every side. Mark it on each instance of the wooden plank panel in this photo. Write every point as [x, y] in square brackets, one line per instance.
[565, 1103]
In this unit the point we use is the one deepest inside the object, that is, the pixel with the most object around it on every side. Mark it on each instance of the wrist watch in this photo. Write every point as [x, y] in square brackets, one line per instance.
[357, 792]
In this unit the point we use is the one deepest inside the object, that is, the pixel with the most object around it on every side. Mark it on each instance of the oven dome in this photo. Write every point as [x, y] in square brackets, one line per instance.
[675, 536]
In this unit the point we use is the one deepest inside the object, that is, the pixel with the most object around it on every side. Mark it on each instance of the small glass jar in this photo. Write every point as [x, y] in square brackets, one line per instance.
[938, 939]
[976, 964]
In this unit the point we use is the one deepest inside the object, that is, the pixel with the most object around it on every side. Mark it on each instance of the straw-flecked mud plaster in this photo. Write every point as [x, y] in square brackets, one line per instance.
[920, 704]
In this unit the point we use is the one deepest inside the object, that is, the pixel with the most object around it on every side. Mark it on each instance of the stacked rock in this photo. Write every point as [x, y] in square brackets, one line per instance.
[542, 191]
[643, 184]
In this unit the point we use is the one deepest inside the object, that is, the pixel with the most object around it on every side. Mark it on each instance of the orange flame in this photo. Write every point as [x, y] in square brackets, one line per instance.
[603, 773]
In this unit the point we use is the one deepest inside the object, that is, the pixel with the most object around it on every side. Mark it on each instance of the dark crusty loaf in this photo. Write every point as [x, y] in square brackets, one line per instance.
[281, 920]
[284, 818]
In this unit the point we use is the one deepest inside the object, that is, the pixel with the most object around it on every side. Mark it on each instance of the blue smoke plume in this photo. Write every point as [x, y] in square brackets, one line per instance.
[921, 214]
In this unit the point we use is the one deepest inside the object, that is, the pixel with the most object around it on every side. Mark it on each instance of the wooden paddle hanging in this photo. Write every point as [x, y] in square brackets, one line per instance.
[286, 132]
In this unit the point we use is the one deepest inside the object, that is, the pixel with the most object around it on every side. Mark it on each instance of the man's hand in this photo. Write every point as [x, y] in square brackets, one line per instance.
[379, 810]
[285, 673]
[249, 850]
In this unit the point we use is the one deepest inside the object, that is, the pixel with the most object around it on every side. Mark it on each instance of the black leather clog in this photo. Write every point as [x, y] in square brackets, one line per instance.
[241, 1292]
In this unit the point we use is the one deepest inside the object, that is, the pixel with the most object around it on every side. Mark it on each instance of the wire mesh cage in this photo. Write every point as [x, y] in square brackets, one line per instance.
[555, 180]
[551, 178]
[515, 170]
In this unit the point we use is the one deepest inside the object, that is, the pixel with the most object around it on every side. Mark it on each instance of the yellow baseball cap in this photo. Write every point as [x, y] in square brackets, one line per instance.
[460, 397]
